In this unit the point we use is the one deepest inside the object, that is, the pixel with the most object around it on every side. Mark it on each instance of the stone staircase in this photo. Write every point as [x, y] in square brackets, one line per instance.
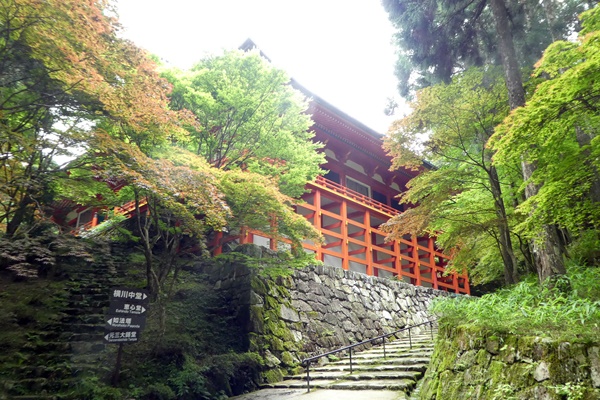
[400, 370]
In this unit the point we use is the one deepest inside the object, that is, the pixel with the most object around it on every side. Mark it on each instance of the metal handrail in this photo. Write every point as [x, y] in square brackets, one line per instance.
[307, 361]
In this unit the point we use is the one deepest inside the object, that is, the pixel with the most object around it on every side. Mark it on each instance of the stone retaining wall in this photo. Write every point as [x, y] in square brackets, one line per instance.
[315, 309]
[479, 365]
[338, 307]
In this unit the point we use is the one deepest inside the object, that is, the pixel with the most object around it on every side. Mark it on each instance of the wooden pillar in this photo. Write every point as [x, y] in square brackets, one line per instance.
[94, 219]
[369, 244]
[415, 254]
[319, 254]
[344, 231]
[217, 243]
[397, 260]
[244, 236]
[467, 287]
[431, 249]
[455, 281]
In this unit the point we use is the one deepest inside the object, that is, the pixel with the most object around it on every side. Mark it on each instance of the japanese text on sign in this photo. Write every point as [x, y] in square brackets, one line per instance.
[128, 294]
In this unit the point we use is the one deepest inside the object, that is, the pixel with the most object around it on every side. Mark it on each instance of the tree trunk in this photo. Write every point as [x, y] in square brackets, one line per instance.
[511, 274]
[546, 247]
[584, 140]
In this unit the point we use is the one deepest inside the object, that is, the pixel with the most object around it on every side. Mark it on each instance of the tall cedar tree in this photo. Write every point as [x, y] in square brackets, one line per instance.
[560, 120]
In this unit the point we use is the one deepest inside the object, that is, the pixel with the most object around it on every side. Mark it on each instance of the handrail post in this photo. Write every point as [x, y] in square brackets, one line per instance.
[384, 355]
[350, 359]
[308, 377]
[431, 326]
[409, 338]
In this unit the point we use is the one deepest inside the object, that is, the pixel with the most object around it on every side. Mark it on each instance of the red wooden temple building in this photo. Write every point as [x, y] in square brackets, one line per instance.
[348, 205]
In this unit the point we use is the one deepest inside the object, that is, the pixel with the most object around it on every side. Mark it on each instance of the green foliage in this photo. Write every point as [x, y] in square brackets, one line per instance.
[256, 203]
[91, 387]
[281, 264]
[463, 200]
[528, 309]
[438, 38]
[504, 391]
[557, 129]
[572, 391]
[190, 383]
[248, 116]
[585, 248]
[63, 70]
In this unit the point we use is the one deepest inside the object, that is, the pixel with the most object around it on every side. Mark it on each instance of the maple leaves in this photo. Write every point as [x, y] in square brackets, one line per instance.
[558, 128]
[64, 71]
[81, 107]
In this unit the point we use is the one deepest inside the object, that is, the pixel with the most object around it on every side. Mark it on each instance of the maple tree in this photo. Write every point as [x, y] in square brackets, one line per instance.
[465, 201]
[435, 40]
[557, 129]
[63, 69]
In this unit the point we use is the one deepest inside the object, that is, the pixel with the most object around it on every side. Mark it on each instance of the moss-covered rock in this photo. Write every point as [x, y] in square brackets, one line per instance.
[473, 364]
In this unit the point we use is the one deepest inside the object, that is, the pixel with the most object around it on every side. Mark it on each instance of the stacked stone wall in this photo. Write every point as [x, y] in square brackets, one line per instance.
[338, 307]
[472, 364]
[315, 309]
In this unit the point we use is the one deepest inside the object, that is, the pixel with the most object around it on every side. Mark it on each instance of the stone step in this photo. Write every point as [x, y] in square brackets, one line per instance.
[405, 345]
[389, 360]
[372, 384]
[400, 369]
[381, 367]
[358, 375]
[392, 352]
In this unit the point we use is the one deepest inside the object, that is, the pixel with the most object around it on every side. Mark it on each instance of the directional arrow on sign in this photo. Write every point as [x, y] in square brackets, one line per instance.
[129, 322]
[130, 336]
[125, 307]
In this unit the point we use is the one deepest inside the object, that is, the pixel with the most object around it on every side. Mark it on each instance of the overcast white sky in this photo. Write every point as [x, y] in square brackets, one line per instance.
[339, 49]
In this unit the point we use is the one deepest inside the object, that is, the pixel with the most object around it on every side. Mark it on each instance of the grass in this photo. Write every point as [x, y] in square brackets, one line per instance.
[529, 309]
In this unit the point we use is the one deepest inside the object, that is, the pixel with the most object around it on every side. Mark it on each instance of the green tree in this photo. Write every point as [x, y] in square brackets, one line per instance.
[462, 200]
[173, 207]
[558, 129]
[62, 68]
[248, 116]
[450, 54]
[439, 38]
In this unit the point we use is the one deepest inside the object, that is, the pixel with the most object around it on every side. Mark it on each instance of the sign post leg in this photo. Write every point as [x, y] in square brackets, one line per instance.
[117, 371]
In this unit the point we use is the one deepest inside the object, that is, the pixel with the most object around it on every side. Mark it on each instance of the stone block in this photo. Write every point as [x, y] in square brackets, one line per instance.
[541, 372]
[288, 314]
[594, 359]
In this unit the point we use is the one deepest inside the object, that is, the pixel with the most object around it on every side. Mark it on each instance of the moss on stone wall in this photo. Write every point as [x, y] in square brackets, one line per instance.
[271, 336]
[469, 363]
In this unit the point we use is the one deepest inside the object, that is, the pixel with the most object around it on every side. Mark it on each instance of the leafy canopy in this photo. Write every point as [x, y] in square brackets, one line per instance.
[439, 38]
[63, 69]
[461, 200]
[249, 117]
[558, 130]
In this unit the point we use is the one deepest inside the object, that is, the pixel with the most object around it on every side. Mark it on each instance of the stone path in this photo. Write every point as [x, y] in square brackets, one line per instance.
[374, 377]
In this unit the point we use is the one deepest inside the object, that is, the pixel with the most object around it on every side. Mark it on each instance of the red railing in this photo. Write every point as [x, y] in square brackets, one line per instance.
[366, 201]
[349, 223]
